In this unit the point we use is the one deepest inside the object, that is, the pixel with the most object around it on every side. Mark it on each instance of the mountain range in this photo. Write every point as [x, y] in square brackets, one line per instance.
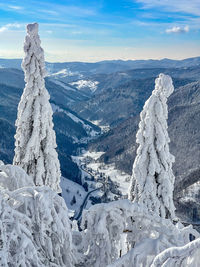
[107, 66]
[86, 97]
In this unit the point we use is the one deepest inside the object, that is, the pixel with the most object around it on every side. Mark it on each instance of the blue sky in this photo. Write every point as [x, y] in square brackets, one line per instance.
[86, 30]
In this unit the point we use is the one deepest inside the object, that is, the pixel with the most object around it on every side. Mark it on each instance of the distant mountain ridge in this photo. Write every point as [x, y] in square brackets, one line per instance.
[87, 77]
[108, 66]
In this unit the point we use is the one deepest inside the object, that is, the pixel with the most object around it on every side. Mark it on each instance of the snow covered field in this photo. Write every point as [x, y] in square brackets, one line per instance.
[92, 85]
[90, 159]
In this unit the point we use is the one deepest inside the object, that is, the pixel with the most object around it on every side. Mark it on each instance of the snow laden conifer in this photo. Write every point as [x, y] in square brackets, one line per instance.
[152, 178]
[35, 138]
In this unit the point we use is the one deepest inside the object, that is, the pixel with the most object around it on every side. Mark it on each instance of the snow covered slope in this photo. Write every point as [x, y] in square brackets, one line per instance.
[64, 73]
[86, 84]
[90, 130]
[73, 195]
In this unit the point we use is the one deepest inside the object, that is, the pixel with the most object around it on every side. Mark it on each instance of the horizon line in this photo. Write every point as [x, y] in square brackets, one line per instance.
[142, 59]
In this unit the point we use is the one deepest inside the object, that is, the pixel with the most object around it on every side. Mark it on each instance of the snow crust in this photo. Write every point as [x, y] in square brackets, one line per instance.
[35, 138]
[152, 178]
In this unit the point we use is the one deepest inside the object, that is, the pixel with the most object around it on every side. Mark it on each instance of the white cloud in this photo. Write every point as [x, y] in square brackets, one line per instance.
[10, 26]
[177, 29]
[15, 7]
[3, 29]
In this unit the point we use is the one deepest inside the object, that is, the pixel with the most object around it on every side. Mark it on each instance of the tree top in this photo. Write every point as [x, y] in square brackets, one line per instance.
[32, 28]
[164, 85]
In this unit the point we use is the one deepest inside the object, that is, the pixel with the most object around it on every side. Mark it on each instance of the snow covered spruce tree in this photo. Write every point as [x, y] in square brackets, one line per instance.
[35, 138]
[152, 178]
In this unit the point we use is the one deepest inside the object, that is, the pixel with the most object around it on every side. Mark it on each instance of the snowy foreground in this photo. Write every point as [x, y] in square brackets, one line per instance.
[34, 223]
[36, 231]
[36, 227]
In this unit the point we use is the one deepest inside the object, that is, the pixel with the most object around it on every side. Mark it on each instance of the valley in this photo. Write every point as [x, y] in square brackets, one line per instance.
[96, 114]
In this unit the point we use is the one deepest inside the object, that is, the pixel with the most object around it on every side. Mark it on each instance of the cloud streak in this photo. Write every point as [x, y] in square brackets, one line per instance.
[15, 7]
[177, 29]
[183, 6]
[12, 8]
[10, 26]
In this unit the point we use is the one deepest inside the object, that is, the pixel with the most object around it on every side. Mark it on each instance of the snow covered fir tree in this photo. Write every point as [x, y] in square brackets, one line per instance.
[153, 180]
[35, 138]
[35, 229]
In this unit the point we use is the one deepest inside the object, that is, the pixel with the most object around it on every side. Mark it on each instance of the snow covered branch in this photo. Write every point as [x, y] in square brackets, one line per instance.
[16, 241]
[184, 256]
[122, 228]
[34, 229]
[13, 177]
[104, 224]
